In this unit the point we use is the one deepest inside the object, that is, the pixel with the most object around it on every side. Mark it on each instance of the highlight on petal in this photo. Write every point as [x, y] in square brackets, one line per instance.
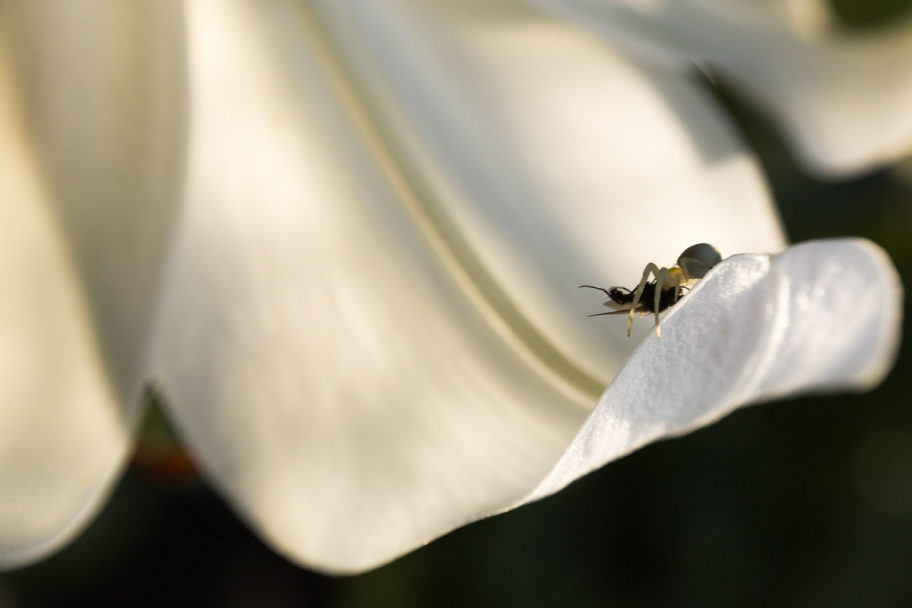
[87, 159]
[324, 363]
[371, 331]
[842, 96]
[821, 316]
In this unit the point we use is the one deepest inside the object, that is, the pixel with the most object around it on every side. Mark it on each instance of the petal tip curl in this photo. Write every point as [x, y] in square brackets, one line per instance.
[819, 317]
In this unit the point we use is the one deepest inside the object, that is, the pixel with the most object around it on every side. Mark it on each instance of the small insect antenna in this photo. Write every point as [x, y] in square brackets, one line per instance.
[602, 289]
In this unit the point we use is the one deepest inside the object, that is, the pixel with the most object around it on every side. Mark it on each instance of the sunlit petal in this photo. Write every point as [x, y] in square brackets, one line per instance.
[842, 96]
[822, 316]
[318, 350]
[333, 343]
[90, 97]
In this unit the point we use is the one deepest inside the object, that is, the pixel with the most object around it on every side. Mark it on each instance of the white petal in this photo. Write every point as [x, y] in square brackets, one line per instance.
[88, 142]
[344, 366]
[822, 316]
[842, 96]
[316, 346]
[556, 161]
[102, 91]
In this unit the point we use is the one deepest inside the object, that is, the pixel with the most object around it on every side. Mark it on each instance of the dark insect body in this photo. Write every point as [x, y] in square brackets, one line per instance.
[623, 297]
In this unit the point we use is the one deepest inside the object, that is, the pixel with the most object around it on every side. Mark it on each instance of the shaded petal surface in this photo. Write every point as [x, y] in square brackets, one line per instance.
[90, 118]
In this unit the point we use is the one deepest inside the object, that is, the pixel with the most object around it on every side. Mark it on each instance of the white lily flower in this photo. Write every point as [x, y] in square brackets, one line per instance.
[843, 97]
[344, 240]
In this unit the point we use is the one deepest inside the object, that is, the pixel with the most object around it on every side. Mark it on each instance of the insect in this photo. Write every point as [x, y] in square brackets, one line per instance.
[663, 291]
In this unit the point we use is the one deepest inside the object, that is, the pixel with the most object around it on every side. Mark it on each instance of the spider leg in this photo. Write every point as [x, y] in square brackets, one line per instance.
[661, 277]
[677, 288]
[650, 269]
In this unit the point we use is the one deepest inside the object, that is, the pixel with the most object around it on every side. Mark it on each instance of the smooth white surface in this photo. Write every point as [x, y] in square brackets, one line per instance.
[841, 96]
[322, 359]
[89, 115]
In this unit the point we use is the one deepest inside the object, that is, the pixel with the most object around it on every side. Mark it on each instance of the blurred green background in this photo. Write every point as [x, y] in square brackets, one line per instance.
[806, 502]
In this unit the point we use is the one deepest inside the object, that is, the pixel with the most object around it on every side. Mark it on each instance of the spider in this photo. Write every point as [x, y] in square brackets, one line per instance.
[664, 290]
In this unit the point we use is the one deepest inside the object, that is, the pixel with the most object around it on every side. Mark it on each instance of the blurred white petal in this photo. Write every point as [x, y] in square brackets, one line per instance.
[90, 96]
[821, 316]
[842, 96]
[351, 340]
